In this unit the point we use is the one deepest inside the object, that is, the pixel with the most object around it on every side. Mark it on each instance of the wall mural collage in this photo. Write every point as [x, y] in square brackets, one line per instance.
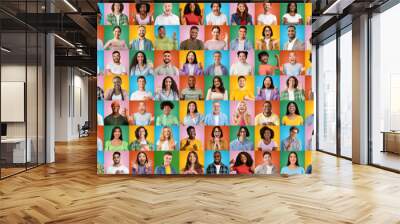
[204, 88]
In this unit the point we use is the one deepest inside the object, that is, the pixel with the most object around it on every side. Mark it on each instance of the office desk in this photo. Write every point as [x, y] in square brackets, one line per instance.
[391, 141]
[16, 147]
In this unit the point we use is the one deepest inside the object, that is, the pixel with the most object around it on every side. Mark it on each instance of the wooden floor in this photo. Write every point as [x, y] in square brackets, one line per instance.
[69, 191]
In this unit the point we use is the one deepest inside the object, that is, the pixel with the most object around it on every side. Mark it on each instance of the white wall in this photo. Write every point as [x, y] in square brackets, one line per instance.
[69, 82]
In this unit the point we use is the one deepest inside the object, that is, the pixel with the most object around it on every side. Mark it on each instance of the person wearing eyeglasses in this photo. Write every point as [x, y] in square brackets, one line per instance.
[292, 143]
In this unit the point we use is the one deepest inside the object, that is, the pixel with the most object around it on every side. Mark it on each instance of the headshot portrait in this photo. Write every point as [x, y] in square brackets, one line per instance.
[100, 112]
[191, 87]
[242, 88]
[267, 87]
[167, 113]
[141, 38]
[242, 138]
[292, 163]
[241, 162]
[116, 14]
[192, 37]
[141, 112]
[191, 112]
[116, 87]
[166, 88]
[142, 88]
[141, 14]
[192, 162]
[191, 13]
[216, 162]
[216, 14]
[242, 38]
[141, 63]
[292, 13]
[116, 62]
[116, 162]
[116, 138]
[292, 88]
[141, 163]
[217, 87]
[116, 112]
[242, 13]
[192, 138]
[242, 112]
[216, 38]
[292, 37]
[292, 138]
[191, 63]
[217, 112]
[267, 113]
[141, 138]
[216, 63]
[267, 163]
[292, 113]
[166, 14]
[166, 138]
[217, 137]
[267, 138]
[166, 37]
[116, 37]
[267, 13]
[267, 62]
[166, 163]
[166, 63]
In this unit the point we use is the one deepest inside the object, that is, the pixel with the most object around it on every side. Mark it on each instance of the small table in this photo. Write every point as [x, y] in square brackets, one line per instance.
[391, 141]
[16, 146]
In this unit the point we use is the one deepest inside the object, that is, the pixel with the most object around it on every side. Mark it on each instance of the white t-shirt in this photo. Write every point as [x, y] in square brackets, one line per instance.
[292, 19]
[291, 94]
[117, 17]
[116, 69]
[140, 95]
[216, 119]
[217, 168]
[113, 170]
[240, 68]
[266, 147]
[162, 19]
[116, 97]
[241, 45]
[268, 19]
[164, 145]
[212, 19]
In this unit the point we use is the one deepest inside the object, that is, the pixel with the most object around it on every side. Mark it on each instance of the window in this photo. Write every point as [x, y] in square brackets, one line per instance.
[327, 96]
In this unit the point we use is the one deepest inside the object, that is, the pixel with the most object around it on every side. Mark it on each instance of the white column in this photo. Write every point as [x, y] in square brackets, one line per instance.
[360, 90]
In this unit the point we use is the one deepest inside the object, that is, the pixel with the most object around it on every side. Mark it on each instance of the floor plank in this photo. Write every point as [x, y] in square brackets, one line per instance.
[69, 191]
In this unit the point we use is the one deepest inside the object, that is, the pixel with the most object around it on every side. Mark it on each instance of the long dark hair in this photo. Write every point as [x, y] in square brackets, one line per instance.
[245, 13]
[221, 87]
[137, 158]
[195, 57]
[174, 87]
[272, 83]
[112, 133]
[197, 10]
[121, 7]
[238, 161]
[270, 29]
[295, 105]
[135, 61]
[197, 165]
[195, 109]
[219, 128]
[288, 7]
[288, 159]
[296, 81]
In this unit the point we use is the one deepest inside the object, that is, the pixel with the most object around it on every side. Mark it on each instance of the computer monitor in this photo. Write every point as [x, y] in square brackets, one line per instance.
[3, 130]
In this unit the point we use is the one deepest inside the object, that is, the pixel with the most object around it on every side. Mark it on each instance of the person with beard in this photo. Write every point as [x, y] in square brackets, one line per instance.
[192, 43]
[117, 167]
[115, 118]
[217, 167]
[115, 67]
[167, 68]
[293, 44]
[142, 43]
[191, 92]
[266, 117]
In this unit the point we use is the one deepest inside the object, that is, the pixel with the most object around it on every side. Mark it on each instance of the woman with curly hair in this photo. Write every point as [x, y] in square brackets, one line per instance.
[243, 164]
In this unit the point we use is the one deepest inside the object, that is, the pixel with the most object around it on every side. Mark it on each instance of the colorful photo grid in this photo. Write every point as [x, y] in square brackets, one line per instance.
[204, 88]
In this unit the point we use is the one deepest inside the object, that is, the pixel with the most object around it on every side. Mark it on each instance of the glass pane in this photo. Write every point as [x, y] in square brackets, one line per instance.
[31, 99]
[385, 84]
[346, 94]
[41, 99]
[13, 87]
[327, 96]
